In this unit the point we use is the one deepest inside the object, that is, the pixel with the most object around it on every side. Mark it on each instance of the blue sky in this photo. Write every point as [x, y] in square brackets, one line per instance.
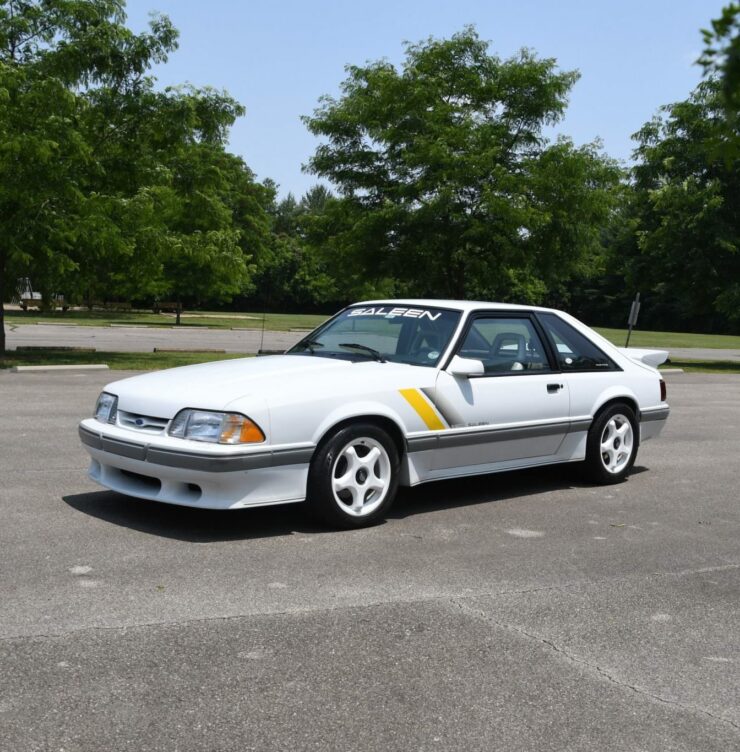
[278, 57]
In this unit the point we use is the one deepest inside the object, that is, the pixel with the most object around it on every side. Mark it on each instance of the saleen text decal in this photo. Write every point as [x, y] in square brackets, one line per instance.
[410, 313]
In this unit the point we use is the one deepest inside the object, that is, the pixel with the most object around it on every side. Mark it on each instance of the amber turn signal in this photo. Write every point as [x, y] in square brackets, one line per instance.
[238, 429]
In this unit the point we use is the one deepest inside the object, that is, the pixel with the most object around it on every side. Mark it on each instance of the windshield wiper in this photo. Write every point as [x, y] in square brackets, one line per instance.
[369, 350]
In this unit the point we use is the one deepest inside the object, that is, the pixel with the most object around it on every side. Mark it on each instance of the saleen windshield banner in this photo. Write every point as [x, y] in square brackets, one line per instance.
[391, 313]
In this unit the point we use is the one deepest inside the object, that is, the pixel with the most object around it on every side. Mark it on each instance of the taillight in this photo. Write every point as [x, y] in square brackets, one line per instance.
[663, 391]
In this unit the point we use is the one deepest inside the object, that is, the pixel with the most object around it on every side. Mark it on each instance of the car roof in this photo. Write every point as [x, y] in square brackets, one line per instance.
[457, 305]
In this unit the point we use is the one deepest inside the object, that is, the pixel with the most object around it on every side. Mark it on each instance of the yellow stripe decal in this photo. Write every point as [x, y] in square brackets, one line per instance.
[423, 408]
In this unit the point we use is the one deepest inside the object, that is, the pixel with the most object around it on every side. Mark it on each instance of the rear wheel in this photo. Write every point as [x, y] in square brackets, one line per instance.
[612, 445]
[353, 477]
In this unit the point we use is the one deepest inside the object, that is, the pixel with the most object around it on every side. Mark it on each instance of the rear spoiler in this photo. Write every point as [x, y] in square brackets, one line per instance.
[651, 358]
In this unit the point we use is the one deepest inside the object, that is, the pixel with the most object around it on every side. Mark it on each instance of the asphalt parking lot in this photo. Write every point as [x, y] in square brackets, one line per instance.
[524, 611]
[145, 339]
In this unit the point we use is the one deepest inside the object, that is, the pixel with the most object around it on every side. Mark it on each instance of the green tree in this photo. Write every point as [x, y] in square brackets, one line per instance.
[109, 187]
[290, 271]
[195, 213]
[315, 199]
[49, 51]
[447, 184]
[681, 244]
[721, 62]
[721, 57]
[216, 226]
[160, 172]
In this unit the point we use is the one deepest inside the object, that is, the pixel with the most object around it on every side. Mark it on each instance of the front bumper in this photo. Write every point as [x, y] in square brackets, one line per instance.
[212, 480]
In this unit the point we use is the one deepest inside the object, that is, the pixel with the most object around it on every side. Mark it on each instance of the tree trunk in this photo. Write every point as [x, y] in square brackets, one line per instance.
[178, 310]
[3, 278]
[2, 325]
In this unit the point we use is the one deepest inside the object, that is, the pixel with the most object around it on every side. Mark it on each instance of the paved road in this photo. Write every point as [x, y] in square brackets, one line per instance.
[145, 339]
[137, 339]
[516, 612]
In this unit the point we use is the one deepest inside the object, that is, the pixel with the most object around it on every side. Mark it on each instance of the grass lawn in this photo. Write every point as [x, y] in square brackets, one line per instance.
[704, 366]
[667, 340]
[121, 361]
[217, 320]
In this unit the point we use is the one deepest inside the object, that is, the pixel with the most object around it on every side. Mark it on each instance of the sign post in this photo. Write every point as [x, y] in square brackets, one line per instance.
[632, 321]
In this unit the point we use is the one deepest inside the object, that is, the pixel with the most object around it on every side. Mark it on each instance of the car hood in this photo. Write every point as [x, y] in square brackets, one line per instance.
[215, 386]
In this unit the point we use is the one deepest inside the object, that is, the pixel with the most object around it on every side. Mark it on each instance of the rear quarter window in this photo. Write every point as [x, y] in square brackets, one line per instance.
[573, 350]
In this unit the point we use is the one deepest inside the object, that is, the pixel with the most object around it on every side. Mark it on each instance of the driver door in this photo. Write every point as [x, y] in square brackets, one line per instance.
[517, 410]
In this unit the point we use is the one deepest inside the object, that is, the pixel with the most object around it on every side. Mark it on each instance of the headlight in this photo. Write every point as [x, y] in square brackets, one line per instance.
[218, 428]
[106, 408]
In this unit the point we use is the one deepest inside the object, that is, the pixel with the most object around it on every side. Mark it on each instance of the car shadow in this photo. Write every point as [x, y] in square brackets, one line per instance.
[490, 488]
[195, 525]
[211, 526]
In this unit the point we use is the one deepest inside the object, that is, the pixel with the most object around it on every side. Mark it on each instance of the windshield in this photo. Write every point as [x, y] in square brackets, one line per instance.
[398, 334]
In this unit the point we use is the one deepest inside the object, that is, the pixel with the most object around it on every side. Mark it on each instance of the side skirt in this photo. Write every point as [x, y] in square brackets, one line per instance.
[465, 472]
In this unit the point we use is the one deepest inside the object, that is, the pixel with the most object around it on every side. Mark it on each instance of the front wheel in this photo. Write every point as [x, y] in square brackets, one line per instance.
[612, 445]
[353, 477]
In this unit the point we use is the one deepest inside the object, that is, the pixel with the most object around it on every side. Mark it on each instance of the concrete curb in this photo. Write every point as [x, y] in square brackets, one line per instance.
[671, 370]
[80, 367]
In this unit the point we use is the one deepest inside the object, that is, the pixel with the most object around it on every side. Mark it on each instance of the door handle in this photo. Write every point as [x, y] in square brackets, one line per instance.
[553, 388]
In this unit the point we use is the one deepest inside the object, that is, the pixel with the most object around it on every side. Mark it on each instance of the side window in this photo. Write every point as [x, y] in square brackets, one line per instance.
[574, 351]
[505, 345]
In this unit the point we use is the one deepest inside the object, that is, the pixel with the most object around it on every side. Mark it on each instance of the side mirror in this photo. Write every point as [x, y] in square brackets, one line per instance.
[465, 367]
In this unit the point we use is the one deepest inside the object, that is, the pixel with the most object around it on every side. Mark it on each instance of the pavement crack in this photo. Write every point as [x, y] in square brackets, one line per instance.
[466, 608]
[447, 597]
[605, 581]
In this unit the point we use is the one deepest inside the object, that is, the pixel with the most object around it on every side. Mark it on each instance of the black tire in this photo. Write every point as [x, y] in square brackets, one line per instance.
[598, 463]
[332, 462]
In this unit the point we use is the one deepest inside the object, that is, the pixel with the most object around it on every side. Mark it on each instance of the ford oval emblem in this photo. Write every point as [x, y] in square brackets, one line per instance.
[139, 422]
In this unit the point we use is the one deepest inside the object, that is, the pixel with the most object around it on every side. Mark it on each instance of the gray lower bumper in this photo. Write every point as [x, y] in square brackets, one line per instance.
[195, 460]
[660, 413]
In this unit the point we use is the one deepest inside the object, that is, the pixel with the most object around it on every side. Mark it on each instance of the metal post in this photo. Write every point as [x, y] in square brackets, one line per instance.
[632, 321]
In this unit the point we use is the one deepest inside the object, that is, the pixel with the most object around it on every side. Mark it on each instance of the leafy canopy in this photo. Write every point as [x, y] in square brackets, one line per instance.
[721, 57]
[687, 209]
[108, 186]
[447, 184]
